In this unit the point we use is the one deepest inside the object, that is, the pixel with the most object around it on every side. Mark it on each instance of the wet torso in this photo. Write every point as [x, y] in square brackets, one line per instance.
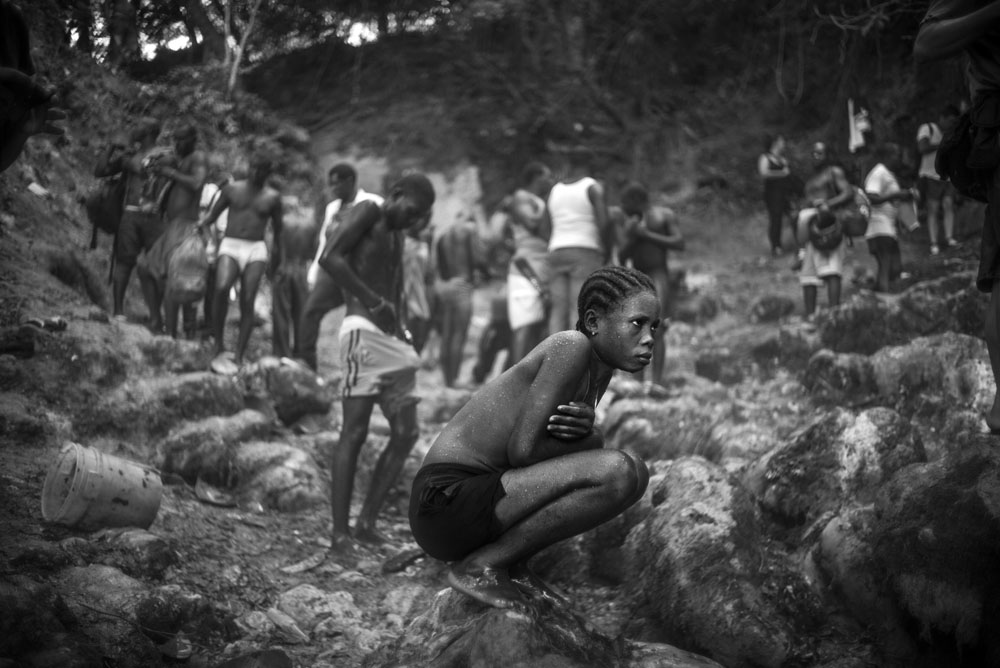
[249, 210]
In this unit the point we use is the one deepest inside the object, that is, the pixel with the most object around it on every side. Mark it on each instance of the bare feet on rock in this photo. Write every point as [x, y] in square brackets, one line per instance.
[491, 586]
[369, 535]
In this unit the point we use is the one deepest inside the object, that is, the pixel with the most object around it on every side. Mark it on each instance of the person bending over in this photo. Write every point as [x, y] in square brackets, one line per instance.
[521, 466]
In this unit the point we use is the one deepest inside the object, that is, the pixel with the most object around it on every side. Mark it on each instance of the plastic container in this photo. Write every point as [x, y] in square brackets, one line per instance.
[89, 489]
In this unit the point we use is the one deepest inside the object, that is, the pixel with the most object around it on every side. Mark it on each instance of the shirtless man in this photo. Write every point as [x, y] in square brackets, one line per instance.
[528, 297]
[181, 213]
[826, 189]
[365, 257]
[324, 293]
[455, 264]
[290, 289]
[243, 252]
[647, 234]
[142, 222]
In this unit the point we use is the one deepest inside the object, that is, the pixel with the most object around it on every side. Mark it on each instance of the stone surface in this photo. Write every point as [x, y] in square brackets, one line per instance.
[839, 457]
[206, 448]
[279, 476]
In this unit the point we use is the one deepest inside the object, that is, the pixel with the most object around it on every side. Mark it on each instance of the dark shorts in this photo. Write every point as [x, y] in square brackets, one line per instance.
[935, 189]
[451, 509]
[989, 249]
[886, 251]
[137, 232]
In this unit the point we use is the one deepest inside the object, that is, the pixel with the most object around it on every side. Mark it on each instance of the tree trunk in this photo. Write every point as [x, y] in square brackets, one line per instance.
[213, 43]
[83, 21]
[242, 48]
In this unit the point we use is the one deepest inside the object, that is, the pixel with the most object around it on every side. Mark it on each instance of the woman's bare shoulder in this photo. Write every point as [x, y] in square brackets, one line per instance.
[566, 347]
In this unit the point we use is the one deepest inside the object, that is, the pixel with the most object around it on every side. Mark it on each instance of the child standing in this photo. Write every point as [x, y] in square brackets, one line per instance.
[883, 192]
[520, 466]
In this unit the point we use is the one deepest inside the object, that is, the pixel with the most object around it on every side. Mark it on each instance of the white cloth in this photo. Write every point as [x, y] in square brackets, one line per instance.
[524, 304]
[932, 133]
[573, 221]
[882, 220]
[330, 224]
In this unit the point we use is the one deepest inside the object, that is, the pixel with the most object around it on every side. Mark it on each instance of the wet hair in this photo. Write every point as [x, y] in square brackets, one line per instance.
[343, 172]
[635, 198]
[531, 172]
[147, 127]
[418, 187]
[607, 287]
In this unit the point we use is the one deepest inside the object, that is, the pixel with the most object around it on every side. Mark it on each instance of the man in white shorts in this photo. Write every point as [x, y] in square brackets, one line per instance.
[243, 253]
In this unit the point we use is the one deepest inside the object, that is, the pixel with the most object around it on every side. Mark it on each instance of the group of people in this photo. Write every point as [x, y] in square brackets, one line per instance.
[819, 205]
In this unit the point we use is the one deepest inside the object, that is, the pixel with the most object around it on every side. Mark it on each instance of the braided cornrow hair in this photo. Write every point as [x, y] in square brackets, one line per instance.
[608, 286]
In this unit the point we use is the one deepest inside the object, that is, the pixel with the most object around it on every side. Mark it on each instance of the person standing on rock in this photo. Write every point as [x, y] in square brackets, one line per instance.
[826, 189]
[455, 263]
[649, 232]
[324, 293]
[365, 258]
[142, 220]
[181, 212]
[290, 286]
[528, 296]
[243, 253]
[581, 239]
[883, 190]
[949, 28]
[521, 466]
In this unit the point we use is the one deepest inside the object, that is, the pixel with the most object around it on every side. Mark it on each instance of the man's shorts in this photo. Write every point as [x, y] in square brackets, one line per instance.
[524, 305]
[377, 365]
[244, 251]
[452, 509]
[138, 231]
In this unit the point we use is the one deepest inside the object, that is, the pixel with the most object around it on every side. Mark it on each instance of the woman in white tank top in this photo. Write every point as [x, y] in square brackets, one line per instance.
[577, 246]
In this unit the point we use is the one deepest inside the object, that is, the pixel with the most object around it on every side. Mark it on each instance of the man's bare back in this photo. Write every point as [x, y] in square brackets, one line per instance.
[455, 258]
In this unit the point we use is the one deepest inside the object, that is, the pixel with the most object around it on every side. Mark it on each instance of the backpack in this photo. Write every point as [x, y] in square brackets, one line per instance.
[104, 205]
[853, 216]
[187, 270]
[825, 232]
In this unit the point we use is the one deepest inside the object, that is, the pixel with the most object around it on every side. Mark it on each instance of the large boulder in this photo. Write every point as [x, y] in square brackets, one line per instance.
[844, 379]
[152, 406]
[279, 476]
[206, 448]
[292, 389]
[840, 456]
[867, 322]
[458, 631]
[935, 375]
[936, 538]
[697, 563]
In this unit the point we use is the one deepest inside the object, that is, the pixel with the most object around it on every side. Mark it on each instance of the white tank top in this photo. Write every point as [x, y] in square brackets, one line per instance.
[573, 222]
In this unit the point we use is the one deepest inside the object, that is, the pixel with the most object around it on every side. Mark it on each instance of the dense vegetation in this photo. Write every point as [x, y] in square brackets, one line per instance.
[652, 89]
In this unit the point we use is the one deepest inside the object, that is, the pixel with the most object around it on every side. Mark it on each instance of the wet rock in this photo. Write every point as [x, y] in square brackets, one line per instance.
[845, 379]
[838, 457]
[936, 537]
[153, 406]
[697, 308]
[38, 629]
[739, 441]
[176, 355]
[844, 555]
[931, 376]
[771, 308]
[719, 365]
[206, 448]
[656, 429]
[104, 601]
[792, 346]
[294, 390]
[696, 561]
[279, 476]
[138, 553]
[321, 613]
[604, 544]
[458, 631]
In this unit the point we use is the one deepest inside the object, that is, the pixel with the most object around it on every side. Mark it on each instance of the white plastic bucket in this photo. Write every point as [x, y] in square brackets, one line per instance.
[89, 489]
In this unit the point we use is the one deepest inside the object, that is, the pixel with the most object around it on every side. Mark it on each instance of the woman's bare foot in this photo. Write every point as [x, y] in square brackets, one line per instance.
[369, 535]
[491, 586]
[529, 582]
